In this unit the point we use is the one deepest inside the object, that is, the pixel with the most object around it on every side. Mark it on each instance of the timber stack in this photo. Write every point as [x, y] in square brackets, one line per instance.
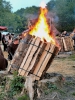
[33, 56]
[66, 43]
[38, 58]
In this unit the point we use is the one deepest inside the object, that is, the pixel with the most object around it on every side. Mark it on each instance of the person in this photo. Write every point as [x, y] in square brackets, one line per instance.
[20, 37]
[12, 48]
[64, 34]
[4, 42]
[3, 61]
[10, 40]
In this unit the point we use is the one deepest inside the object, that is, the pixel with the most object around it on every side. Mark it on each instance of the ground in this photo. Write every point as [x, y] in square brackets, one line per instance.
[63, 64]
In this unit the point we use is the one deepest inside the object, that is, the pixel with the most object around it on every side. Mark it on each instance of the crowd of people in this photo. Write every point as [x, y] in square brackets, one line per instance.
[10, 43]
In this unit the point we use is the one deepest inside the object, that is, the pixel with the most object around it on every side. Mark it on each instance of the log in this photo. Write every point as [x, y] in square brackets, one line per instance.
[20, 53]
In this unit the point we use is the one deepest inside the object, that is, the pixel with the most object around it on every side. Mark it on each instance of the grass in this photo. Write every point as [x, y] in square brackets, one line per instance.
[52, 88]
[72, 57]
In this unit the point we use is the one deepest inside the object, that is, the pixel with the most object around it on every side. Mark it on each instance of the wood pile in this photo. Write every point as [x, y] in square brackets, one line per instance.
[38, 58]
[33, 56]
[66, 43]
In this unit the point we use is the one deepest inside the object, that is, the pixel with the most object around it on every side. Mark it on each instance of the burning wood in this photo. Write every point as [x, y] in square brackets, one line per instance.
[39, 51]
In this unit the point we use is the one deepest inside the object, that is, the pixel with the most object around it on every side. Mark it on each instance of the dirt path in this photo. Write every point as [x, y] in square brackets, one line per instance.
[63, 66]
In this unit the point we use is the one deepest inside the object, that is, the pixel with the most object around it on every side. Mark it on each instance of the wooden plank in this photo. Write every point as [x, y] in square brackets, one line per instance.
[69, 43]
[26, 57]
[44, 64]
[34, 60]
[31, 56]
[31, 51]
[55, 52]
[42, 58]
[65, 46]
[60, 41]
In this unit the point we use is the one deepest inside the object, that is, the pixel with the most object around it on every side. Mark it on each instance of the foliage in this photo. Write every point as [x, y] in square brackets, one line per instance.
[65, 10]
[29, 10]
[73, 93]
[2, 96]
[16, 85]
[24, 97]
[17, 22]
[52, 87]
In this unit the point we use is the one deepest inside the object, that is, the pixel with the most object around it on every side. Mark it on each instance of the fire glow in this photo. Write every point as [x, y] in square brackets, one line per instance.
[41, 28]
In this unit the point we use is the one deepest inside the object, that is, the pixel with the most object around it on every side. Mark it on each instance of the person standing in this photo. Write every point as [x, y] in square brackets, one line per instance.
[4, 42]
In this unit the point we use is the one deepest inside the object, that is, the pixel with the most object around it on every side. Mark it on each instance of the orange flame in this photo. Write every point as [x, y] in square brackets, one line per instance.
[41, 28]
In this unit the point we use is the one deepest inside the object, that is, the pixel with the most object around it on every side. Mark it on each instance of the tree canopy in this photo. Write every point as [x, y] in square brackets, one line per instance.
[64, 13]
[65, 10]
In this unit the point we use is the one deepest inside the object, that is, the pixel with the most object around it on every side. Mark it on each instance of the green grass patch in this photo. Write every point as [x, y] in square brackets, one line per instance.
[24, 97]
[52, 87]
[72, 57]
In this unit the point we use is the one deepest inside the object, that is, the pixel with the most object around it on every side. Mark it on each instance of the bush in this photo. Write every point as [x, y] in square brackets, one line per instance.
[16, 85]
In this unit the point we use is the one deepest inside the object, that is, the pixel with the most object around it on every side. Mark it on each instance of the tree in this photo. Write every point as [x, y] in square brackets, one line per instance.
[65, 10]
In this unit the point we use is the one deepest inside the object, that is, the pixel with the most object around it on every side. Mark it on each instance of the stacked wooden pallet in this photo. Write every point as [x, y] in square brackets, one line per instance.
[37, 58]
[66, 43]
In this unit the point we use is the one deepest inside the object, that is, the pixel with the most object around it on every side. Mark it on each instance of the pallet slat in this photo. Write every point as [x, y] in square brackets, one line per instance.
[25, 58]
[34, 60]
[31, 51]
[42, 58]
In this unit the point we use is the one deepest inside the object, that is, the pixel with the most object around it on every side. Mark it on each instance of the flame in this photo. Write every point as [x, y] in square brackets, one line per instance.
[42, 28]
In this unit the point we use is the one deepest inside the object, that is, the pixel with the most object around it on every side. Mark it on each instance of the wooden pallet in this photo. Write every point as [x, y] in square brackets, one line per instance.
[37, 57]
[68, 44]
